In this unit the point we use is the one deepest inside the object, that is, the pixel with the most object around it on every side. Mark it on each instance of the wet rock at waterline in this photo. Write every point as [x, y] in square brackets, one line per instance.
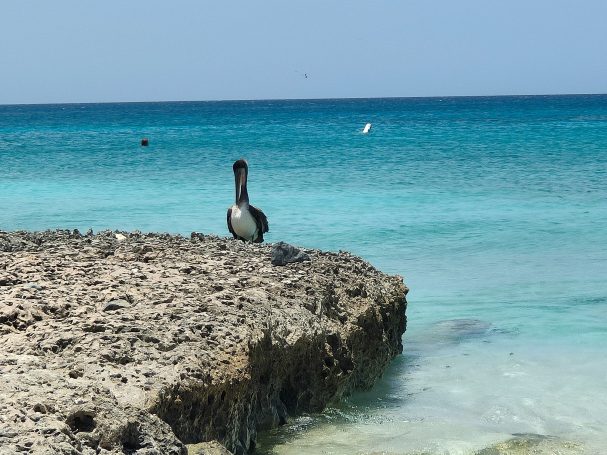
[533, 444]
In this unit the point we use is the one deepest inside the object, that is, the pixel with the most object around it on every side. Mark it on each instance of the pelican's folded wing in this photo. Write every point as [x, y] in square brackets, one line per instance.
[230, 223]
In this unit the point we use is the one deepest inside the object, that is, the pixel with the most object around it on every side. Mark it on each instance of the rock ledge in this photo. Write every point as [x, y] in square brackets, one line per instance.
[133, 343]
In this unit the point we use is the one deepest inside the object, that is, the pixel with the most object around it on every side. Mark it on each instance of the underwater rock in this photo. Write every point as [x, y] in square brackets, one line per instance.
[533, 444]
[455, 330]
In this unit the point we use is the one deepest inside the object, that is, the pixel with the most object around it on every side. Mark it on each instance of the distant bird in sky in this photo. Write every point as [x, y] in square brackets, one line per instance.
[245, 222]
[305, 75]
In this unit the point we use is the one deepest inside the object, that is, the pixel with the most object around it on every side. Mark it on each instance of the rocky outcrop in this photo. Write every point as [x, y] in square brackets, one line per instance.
[142, 343]
[533, 444]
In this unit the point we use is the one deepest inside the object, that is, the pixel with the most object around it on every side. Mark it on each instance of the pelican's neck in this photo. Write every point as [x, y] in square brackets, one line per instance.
[243, 200]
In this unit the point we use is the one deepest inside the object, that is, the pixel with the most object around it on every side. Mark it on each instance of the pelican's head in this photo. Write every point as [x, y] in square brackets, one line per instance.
[240, 164]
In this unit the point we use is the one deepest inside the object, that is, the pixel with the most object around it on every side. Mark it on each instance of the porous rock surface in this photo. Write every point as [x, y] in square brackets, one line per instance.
[130, 343]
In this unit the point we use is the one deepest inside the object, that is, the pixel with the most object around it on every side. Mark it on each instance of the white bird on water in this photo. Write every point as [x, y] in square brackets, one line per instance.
[367, 128]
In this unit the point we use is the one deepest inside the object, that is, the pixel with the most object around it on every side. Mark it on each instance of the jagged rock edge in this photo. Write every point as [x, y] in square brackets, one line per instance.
[233, 412]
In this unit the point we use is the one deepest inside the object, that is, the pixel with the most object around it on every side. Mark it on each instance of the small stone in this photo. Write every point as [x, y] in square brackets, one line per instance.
[283, 254]
[117, 304]
[74, 374]
[41, 408]
[196, 236]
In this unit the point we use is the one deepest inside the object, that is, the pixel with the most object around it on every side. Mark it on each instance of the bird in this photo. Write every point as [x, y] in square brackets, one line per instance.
[245, 222]
[301, 73]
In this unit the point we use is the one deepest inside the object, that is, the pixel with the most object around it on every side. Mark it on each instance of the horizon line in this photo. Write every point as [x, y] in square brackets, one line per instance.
[227, 100]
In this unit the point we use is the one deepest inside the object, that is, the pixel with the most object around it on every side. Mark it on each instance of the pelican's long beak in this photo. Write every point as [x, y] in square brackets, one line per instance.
[240, 179]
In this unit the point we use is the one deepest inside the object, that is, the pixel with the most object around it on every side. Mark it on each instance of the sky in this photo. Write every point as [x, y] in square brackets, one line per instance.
[150, 50]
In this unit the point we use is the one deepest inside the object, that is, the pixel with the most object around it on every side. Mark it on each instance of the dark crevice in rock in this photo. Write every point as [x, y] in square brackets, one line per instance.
[82, 421]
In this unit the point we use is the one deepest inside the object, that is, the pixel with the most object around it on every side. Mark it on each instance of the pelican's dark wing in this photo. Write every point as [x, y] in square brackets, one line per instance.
[230, 223]
[261, 221]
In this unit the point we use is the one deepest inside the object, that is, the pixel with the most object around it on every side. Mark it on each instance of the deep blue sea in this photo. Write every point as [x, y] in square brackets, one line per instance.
[494, 209]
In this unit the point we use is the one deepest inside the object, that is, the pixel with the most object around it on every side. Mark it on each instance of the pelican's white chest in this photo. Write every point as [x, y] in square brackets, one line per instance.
[243, 223]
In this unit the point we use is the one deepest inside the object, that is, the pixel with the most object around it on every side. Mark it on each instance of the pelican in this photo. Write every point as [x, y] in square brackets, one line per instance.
[245, 222]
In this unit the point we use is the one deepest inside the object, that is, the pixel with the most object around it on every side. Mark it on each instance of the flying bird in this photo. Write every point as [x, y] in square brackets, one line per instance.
[301, 73]
[245, 222]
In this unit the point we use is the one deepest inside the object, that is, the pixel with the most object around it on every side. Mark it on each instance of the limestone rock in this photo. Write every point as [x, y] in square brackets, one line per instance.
[155, 341]
[533, 444]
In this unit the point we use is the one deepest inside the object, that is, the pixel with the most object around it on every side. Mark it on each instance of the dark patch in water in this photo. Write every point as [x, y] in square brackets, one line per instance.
[458, 330]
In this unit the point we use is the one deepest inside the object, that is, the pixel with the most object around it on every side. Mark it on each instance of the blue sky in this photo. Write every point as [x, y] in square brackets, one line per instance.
[135, 50]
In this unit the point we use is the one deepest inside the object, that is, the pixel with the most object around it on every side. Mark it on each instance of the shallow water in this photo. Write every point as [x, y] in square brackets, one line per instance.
[493, 209]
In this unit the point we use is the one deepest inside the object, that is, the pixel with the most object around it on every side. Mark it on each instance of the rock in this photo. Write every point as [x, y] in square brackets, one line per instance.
[156, 341]
[283, 254]
[197, 236]
[117, 304]
[15, 241]
[34, 286]
[531, 443]
[208, 448]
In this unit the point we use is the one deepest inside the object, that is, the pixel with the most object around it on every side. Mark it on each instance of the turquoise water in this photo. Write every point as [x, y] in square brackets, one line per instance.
[493, 209]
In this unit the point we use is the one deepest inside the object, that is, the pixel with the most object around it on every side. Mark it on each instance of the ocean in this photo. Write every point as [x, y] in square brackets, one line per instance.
[494, 209]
